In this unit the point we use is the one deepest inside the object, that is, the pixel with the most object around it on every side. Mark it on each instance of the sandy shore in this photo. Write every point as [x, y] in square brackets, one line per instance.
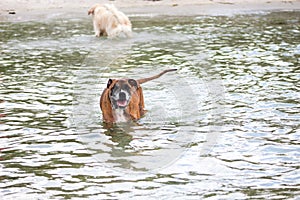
[39, 9]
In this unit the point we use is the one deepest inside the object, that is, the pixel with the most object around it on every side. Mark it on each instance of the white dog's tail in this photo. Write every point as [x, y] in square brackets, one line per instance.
[123, 23]
[112, 9]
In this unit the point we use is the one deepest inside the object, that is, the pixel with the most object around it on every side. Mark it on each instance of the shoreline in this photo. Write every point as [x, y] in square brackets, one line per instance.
[27, 10]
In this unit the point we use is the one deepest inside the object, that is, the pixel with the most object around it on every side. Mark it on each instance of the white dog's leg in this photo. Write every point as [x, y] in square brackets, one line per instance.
[113, 32]
[97, 29]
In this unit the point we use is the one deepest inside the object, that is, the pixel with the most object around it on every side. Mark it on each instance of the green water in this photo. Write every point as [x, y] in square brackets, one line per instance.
[224, 126]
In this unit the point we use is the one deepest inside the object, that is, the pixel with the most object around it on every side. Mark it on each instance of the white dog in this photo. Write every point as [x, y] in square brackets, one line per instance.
[109, 21]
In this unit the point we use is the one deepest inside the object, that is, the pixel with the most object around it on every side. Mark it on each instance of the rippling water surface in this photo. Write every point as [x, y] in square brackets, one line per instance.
[224, 126]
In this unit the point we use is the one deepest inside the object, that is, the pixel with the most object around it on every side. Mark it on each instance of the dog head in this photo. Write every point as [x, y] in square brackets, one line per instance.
[121, 92]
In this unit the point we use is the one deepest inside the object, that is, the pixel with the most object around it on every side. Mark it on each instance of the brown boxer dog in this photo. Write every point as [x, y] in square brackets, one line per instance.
[122, 100]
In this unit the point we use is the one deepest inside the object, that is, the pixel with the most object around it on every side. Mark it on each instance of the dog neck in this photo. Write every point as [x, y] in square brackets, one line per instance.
[120, 115]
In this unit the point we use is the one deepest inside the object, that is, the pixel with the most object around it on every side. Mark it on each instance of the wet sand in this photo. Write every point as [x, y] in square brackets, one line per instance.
[23, 10]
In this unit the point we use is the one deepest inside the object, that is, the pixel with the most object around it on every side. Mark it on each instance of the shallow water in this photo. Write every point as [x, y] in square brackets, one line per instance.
[224, 126]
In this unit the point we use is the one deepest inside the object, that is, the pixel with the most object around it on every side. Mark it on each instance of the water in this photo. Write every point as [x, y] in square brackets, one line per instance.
[225, 126]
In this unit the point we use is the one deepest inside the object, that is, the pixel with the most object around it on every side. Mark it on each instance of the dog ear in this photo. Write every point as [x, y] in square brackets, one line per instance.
[133, 83]
[109, 82]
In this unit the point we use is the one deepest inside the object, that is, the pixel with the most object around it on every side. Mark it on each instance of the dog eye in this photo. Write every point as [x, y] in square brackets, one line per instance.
[126, 87]
[115, 87]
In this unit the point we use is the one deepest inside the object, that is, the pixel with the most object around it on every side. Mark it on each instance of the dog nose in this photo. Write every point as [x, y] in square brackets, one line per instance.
[122, 96]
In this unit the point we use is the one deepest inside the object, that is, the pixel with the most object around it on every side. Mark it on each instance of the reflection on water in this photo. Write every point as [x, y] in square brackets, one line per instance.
[225, 126]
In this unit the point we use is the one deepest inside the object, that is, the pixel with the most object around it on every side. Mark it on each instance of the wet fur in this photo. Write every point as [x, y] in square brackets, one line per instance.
[135, 107]
[109, 21]
[134, 110]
